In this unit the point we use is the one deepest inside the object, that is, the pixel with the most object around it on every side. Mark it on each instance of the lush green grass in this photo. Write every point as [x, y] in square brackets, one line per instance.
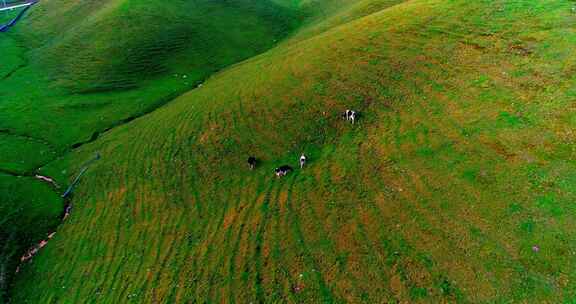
[6, 16]
[328, 14]
[11, 59]
[71, 70]
[25, 220]
[462, 161]
[114, 60]
[152, 38]
[21, 154]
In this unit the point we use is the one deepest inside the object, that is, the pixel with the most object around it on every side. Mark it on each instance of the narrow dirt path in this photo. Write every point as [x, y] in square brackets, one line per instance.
[66, 211]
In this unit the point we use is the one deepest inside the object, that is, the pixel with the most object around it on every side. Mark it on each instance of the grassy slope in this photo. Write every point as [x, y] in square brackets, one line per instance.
[25, 220]
[80, 59]
[462, 161]
[327, 14]
[72, 69]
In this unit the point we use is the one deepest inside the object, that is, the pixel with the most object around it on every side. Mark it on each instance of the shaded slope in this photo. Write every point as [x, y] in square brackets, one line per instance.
[125, 42]
[25, 220]
[462, 162]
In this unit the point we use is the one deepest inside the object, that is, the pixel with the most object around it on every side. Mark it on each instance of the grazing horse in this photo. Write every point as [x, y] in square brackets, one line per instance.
[283, 170]
[252, 162]
[303, 159]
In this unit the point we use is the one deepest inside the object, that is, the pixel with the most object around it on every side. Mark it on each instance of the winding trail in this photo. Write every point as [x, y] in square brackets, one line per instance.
[67, 209]
[28, 255]
[66, 212]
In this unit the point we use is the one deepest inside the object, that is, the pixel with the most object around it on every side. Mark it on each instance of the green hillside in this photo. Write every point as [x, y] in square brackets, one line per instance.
[456, 185]
[95, 64]
[25, 219]
[72, 70]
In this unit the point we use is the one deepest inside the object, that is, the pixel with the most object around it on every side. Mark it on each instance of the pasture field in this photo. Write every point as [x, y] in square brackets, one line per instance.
[140, 54]
[457, 184]
[57, 94]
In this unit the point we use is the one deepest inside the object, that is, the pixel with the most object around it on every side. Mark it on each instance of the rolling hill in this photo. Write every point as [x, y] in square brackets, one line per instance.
[72, 70]
[456, 184]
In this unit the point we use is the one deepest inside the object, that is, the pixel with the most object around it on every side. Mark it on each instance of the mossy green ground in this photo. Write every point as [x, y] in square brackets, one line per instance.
[456, 185]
